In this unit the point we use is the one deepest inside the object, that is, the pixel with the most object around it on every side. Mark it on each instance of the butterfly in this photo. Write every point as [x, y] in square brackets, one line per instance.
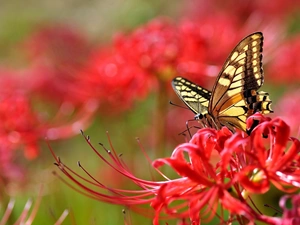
[234, 96]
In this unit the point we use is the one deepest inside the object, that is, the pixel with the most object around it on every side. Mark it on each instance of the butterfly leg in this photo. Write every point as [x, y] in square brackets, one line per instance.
[188, 127]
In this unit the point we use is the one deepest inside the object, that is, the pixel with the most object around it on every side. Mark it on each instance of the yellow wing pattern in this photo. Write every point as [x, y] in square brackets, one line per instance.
[234, 96]
[194, 96]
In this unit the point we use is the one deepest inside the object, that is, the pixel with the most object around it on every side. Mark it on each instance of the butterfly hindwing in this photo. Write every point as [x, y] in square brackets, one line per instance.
[194, 96]
[234, 96]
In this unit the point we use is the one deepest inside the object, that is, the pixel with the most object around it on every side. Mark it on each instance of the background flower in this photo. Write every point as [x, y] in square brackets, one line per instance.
[287, 108]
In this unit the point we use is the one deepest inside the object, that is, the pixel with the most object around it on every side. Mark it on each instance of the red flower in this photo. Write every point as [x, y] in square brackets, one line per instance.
[202, 186]
[204, 46]
[274, 162]
[20, 129]
[153, 47]
[57, 54]
[58, 46]
[208, 166]
[166, 50]
[285, 68]
[114, 81]
[20, 126]
[243, 10]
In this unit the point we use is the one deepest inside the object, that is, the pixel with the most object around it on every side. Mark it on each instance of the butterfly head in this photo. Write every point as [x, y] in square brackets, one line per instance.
[199, 116]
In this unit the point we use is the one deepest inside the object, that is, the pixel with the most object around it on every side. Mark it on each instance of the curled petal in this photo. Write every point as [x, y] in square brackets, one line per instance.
[255, 183]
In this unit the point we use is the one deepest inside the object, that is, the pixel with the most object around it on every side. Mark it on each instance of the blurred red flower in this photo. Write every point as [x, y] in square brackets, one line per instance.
[194, 49]
[191, 49]
[20, 125]
[114, 81]
[244, 10]
[154, 46]
[288, 109]
[284, 67]
[25, 120]
[204, 46]
[21, 128]
[56, 54]
[57, 45]
[208, 166]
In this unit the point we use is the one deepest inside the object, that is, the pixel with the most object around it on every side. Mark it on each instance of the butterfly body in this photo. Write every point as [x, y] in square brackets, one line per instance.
[234, 96]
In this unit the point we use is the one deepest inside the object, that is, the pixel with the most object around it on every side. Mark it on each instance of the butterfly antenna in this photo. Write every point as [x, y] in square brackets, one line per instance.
[171, 103]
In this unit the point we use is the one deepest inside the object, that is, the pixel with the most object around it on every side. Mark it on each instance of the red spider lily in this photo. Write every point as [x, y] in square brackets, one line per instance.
[243, 10]
[201, 52]
[224, 24]
[56, 55]
[285, 68]
[157, 51]
[217, 170]
[24, 120]
[288, 109]
[20, 128]
[64, 70]
[114, 81]
[156, 47]
[20, 125]
[166, 50]
[275, 163]
[23, 125]
[57, 45]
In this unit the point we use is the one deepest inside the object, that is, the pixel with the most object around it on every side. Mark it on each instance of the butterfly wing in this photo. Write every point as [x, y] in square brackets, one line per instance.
[194, 96]
[234, 95]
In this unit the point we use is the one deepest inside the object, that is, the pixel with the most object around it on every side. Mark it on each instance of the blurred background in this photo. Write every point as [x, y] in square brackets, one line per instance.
[107, 66]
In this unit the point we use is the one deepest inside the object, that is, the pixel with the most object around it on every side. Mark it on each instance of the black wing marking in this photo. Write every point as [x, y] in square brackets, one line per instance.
[194, 96]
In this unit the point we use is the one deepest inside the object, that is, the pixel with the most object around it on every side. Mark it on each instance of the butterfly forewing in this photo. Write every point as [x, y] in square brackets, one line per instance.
[242, 71]
[194, 96]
